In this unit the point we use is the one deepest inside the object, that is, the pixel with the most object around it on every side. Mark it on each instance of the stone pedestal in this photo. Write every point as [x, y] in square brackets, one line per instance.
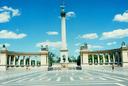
[124, 57]
[64, 55]
[85, 58]
[44, 58]
[3, 60]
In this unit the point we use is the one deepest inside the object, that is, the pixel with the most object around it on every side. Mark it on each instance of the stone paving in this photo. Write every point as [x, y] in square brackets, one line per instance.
[85, 77]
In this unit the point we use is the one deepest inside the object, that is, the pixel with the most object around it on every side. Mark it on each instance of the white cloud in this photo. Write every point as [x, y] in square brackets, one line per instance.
[89, 36]
[6, 13]
[115, 34]
[6, 44]
[4, 17]
[70, 14]
[121, 17]
[56, 44]
[111, 43]
[52, 33]
[93, 47]
[5, 34]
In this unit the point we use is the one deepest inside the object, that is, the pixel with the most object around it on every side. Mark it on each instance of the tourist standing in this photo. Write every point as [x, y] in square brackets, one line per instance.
[113, 67]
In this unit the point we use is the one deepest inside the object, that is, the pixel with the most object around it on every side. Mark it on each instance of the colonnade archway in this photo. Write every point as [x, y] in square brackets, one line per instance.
[11, 59]
[102, 57]
[22, 61]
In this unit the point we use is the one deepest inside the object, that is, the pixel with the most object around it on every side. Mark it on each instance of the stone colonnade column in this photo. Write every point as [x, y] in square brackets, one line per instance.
[109, 61]
[18, 60]
[98, 58]
[24, 61]
[14, 60]
[113, 59]
[10, 60]
[29, 61]
[104, 59]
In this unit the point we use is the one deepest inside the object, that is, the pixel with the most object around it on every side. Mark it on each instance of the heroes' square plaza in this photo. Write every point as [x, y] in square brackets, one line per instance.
[100, 67]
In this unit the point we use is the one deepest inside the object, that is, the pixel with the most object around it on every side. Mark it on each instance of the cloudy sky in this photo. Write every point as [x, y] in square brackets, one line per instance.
[26, 24]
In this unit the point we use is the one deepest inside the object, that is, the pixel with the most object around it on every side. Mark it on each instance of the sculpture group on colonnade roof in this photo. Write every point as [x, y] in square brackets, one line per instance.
[44, 47]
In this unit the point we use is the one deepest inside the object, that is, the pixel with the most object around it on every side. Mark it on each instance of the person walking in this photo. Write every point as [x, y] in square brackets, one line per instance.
[112, 67]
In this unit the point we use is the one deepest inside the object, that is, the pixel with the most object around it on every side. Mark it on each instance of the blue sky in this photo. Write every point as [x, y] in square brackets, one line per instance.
[25, 24]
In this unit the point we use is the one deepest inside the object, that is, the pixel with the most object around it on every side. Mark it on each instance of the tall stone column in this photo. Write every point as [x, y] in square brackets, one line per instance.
[64, 50]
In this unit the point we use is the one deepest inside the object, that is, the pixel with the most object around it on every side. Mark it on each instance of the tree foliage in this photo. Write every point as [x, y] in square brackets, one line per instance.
[79, 61]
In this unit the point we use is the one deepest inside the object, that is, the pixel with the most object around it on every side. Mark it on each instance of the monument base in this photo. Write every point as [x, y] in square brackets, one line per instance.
[64, 65]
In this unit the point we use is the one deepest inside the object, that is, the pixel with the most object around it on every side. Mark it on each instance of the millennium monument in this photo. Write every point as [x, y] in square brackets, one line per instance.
[64, 50]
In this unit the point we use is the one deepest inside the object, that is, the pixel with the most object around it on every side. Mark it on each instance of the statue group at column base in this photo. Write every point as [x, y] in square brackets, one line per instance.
[64, 65]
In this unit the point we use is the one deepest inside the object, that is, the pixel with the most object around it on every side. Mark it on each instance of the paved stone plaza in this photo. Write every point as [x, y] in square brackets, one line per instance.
[87, 77]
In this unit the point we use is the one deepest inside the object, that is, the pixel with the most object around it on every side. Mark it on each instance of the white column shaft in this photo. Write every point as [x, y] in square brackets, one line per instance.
[98, 59]
[103, 58]
[63, 27]
[24, 61]
[14, 60]
[93, 59]
[10, 61]
[109, 58]
[19, 60]
[113, 59]
[29, 61]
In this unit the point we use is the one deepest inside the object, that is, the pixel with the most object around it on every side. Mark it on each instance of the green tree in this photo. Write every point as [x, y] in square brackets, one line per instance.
[79, 61]
[50, 58]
